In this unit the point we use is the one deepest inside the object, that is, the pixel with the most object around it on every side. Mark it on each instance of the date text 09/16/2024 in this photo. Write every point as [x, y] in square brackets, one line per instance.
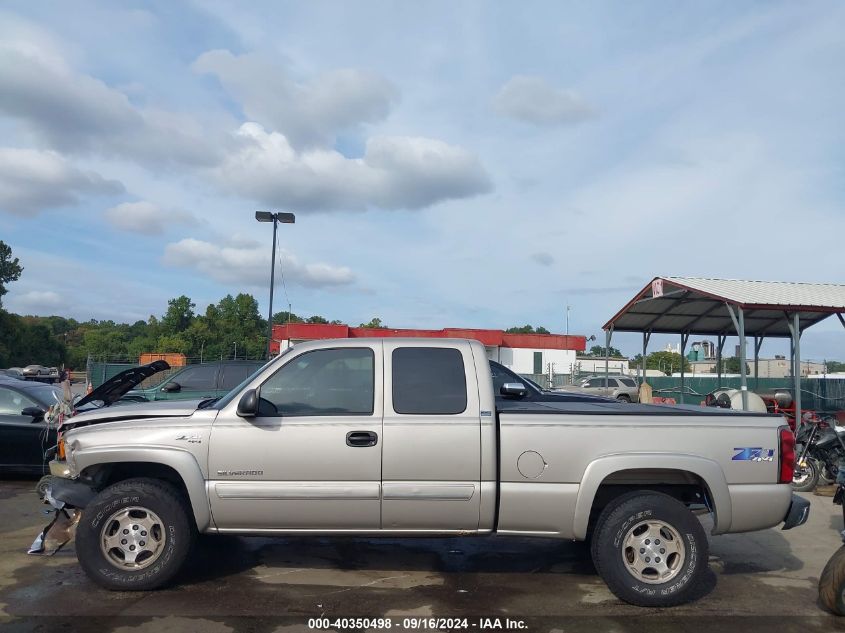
[416, 623]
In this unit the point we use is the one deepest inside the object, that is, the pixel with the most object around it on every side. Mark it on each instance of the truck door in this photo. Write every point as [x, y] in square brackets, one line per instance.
[431, 457]
[311, 458]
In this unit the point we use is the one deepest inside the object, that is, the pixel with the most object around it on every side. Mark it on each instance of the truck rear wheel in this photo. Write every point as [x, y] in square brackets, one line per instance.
[650, 549]
[134, 535]
[832, 583]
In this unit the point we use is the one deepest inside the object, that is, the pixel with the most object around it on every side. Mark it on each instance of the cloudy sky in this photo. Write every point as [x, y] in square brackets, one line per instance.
[457, 164]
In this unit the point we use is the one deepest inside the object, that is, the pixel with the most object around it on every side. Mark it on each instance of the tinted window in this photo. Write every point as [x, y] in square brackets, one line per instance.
[324, 382]
[197, 378]
[428, 381]
[44, 394]
[235, 374]
[12, 402]
[628, 382]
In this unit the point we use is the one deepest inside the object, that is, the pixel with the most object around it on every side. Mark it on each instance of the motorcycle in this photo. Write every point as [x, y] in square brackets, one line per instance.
[832, 580]
[818, 451]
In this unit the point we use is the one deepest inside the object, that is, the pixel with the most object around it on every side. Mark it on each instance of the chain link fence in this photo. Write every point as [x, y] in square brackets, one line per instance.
[820, 394]
[101, 369]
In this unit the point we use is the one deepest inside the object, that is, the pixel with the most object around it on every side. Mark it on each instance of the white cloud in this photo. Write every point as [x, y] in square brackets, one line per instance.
[38, 302]
[245, 262]
[309, 112]
[77, 113]
[33, 180]
[533, 100]
[394, 173]
[145, 217]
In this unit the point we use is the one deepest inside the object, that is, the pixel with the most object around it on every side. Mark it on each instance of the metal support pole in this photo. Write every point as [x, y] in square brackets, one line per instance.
[739, 324]
[272, 284]
[646, 337]
[743, 378]
[608, 335]
[720, 345]
[795, 329]
[684, 339]
[758, 343]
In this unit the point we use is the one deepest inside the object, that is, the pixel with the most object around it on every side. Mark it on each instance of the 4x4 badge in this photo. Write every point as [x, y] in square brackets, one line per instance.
[754, 454]
[191, 439]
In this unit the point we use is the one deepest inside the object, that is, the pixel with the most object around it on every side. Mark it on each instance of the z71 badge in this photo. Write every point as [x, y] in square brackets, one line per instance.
[754, 455]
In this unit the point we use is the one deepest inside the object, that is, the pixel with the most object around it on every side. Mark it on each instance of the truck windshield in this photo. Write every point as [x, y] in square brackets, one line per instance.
[222, 402]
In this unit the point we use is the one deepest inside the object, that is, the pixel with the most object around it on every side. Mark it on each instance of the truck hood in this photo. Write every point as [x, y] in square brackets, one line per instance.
[115, 387]
[139, 411]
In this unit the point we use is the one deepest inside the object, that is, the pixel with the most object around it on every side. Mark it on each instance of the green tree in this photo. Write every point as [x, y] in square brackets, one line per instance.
[179, 315]
[731, 366]
[316, 318]
[10, 269]
[375, 322]
[287, 317]
[833, 366]
[598, 350]
[667, 362]
[22, 343]
[527, 329]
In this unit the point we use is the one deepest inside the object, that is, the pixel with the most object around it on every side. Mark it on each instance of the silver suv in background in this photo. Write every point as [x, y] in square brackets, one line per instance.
[622, 388]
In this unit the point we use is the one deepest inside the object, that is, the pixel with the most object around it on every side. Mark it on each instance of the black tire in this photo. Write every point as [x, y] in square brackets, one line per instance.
[826, 478]
[41, 486]
[175, 534]
[623, 398]
[620, 520]
[832, 583]
[807, 478]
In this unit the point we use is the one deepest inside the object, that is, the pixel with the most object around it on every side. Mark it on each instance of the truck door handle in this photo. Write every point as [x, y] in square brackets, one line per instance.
[361, 438]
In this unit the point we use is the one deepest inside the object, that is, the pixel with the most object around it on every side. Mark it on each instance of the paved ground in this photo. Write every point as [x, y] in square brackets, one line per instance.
[761, 581]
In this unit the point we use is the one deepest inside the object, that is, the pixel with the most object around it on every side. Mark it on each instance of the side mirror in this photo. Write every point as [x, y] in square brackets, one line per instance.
[248, 404]
[171, 387]
[516, 389]
[34, 412]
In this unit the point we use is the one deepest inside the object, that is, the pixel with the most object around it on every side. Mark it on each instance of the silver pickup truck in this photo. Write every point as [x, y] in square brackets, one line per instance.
[405, 437]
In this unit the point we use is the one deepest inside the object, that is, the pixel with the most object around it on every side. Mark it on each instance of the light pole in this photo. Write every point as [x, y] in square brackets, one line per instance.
[275, 218]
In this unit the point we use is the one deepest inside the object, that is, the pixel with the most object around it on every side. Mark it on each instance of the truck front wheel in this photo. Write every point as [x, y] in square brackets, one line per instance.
[832, 583]
[134, 535]
[650, 549]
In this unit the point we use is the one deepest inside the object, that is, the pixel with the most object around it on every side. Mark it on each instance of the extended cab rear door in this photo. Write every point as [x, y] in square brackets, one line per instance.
[431, 454]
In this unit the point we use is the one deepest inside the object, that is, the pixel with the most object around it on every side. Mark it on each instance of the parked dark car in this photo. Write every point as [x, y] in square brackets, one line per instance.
[24, 436]
[531, 391]
[193, 382]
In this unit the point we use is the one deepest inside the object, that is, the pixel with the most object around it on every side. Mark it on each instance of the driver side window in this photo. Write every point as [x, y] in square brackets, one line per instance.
[323, 382]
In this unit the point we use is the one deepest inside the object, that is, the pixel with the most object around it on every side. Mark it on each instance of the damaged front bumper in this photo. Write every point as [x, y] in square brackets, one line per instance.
[67, 497]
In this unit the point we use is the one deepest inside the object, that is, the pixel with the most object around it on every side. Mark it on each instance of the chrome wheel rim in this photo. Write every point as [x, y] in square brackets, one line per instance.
[800, 476]
[802, 473]
[132, 538]
[653, 552]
